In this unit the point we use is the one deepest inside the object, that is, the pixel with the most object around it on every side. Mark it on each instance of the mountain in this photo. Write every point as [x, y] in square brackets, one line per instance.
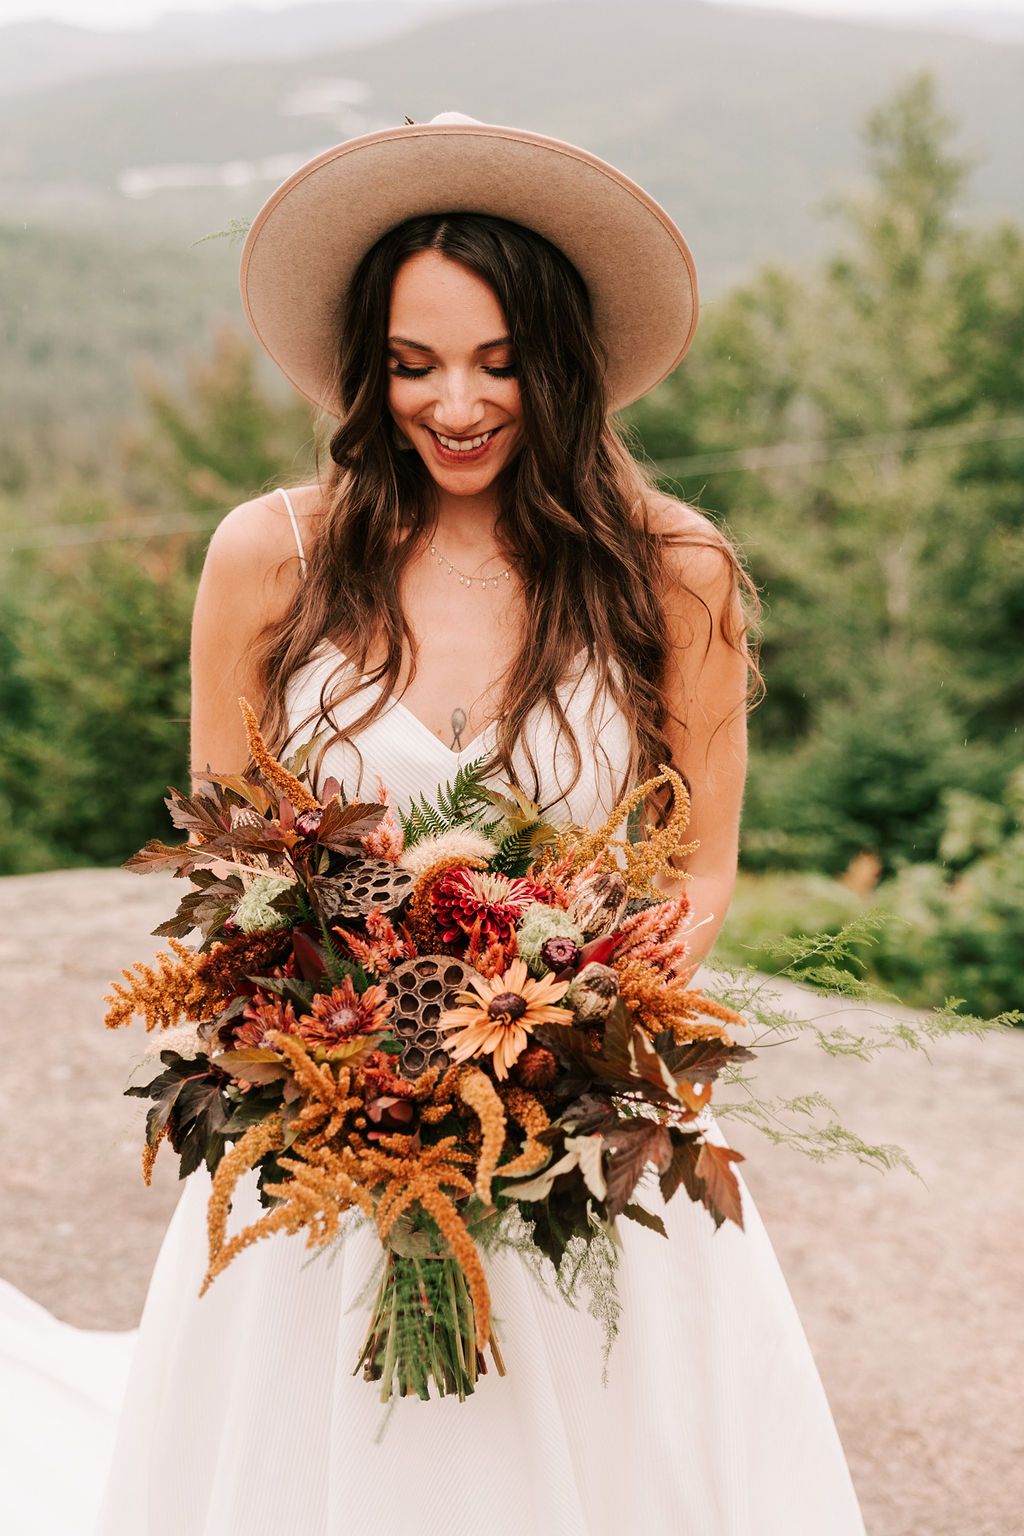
[743, 123]
[36, 54]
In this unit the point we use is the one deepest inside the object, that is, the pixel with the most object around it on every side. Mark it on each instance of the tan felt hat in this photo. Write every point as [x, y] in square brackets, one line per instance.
[309, 237]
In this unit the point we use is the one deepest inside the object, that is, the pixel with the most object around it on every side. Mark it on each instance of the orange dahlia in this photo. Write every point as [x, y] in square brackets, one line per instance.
[345, 1013]
[499, 1017]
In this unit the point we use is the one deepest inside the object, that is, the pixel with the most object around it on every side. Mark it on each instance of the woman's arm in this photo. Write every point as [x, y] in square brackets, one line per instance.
[706, 686]
[248, 581]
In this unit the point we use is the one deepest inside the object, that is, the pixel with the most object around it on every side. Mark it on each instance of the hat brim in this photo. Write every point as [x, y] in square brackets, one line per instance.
[306, 242]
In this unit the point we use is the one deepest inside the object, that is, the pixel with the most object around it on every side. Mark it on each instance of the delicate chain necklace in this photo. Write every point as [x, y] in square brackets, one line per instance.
[467, 581]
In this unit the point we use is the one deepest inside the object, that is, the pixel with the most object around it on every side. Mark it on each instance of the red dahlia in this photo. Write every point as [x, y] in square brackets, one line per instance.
[464, 897]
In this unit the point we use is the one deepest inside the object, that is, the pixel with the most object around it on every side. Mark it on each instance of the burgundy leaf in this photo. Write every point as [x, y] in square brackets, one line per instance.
[629, 1148]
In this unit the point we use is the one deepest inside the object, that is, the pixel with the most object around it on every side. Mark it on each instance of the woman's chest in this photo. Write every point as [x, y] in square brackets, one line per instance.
[465, 642]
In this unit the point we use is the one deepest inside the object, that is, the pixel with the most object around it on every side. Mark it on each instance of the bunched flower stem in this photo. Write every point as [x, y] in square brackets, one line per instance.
[423, 1329]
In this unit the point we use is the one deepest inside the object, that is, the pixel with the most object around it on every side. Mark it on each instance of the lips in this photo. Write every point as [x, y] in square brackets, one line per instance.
[469, 450]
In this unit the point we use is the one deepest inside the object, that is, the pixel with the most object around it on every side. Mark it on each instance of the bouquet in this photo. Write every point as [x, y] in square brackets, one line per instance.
[467, 1024]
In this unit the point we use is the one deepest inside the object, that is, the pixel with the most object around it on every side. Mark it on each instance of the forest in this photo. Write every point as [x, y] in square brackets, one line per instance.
[858, 426]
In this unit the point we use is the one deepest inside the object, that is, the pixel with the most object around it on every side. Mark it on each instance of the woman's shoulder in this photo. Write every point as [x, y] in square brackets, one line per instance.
[695, 552]
[259, 536]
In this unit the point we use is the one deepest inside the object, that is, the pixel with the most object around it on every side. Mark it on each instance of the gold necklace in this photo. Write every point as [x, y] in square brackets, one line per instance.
[467, 581]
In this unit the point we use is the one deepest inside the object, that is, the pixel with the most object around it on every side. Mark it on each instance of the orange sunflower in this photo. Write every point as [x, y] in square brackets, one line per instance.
[499, 1018]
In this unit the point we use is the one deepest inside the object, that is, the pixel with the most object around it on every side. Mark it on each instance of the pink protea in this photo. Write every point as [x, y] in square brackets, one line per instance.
[474, 903]
[264, 1016]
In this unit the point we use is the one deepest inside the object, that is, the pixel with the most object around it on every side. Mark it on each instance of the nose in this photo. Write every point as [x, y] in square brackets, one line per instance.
[459, 405]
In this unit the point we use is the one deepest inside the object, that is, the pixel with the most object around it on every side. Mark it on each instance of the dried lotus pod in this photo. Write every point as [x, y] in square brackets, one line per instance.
[420, 990]
[594, 992]
[599, 904]
[369, 884]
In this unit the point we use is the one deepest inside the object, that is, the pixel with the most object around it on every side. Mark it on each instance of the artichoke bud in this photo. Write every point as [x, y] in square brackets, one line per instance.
[599, 904]
[593, 994]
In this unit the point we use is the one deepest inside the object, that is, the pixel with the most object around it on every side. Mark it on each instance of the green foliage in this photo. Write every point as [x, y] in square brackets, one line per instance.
[461, 800]
[886, 526]
[94, 697]
[949, 927]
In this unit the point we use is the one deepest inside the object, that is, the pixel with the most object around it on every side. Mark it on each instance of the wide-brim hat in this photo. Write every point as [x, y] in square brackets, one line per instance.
[306, 242]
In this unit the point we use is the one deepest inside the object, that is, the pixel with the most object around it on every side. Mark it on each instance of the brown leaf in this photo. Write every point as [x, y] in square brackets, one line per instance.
[699, 1061]
[721, 1188]
[343, 826]
[629, 1148]
[645, 1218]
[683, 1167]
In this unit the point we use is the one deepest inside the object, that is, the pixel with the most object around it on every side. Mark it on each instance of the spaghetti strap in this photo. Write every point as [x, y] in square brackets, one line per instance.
[295, 530]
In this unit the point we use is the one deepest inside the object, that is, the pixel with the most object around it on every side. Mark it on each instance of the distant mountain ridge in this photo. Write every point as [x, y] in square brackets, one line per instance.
[38, 54]
[741, 122]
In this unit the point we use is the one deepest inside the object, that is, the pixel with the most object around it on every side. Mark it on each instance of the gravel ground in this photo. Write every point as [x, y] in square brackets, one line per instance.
[910, 1290]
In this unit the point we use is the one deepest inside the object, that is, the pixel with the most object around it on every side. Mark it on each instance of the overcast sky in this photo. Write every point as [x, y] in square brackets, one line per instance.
[126, 13]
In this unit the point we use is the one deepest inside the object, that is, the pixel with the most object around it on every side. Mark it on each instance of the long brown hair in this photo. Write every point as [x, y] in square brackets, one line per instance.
[573, 510]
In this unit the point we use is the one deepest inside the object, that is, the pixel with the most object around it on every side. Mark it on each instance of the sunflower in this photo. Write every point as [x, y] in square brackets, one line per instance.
[345, 1013]
[501, 1015]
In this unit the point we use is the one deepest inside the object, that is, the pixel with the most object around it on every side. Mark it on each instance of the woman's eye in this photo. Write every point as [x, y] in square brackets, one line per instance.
[508, 372]
[403, 370]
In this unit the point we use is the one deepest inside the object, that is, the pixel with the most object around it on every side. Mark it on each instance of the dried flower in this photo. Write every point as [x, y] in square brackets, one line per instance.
[264, 1015]
[536, 1067]
[499, 1018]
[386, 839]
[344, 1013]
[381, 946]
[255, 912]
[540, 924]
[461, 845]
[593, 993]
[284, 782]
[598, 904]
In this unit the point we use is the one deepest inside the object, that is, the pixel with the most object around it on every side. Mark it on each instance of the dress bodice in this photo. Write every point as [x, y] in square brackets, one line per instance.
[403, 753]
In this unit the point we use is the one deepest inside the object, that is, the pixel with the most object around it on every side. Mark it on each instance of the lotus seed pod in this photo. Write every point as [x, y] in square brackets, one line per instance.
[599, 904]
[593, 994]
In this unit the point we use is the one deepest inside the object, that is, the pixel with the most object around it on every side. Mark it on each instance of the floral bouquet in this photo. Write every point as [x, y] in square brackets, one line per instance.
[471, 1026]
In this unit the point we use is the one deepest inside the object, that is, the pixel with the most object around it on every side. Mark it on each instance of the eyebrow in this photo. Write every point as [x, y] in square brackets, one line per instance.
[418, 346]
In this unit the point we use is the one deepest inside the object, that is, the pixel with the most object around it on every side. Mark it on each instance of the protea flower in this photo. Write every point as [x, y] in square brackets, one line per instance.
[499, 1017]
[345, 1013]
[462, 898]
[264, 1016]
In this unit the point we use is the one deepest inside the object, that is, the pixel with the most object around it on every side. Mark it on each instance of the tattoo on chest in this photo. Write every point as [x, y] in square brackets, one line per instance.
[458, 726]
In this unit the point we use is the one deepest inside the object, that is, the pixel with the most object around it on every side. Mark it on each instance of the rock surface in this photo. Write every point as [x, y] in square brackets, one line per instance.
[910, 1290]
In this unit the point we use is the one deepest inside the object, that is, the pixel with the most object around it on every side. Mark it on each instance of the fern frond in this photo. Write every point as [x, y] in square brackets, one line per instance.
[460, 802]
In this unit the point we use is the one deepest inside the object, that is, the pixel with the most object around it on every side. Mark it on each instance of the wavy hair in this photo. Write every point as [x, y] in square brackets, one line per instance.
[573, 512]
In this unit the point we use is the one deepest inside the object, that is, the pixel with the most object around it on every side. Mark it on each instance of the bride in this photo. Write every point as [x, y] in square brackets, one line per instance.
[484, 572]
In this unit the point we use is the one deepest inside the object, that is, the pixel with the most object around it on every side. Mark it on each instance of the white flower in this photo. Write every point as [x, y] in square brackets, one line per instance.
[460, 843]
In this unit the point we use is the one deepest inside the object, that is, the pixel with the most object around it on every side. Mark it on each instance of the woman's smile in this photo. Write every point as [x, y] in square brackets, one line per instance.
[453, 392]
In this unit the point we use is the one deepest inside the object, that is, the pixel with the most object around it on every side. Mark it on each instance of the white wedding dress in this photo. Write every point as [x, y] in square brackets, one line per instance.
[243, 1417]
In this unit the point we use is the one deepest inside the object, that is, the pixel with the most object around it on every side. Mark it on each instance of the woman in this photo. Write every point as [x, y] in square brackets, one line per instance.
[483, 574]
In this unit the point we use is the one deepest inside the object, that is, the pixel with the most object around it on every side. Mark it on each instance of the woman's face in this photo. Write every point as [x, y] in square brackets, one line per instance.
[453, 390]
